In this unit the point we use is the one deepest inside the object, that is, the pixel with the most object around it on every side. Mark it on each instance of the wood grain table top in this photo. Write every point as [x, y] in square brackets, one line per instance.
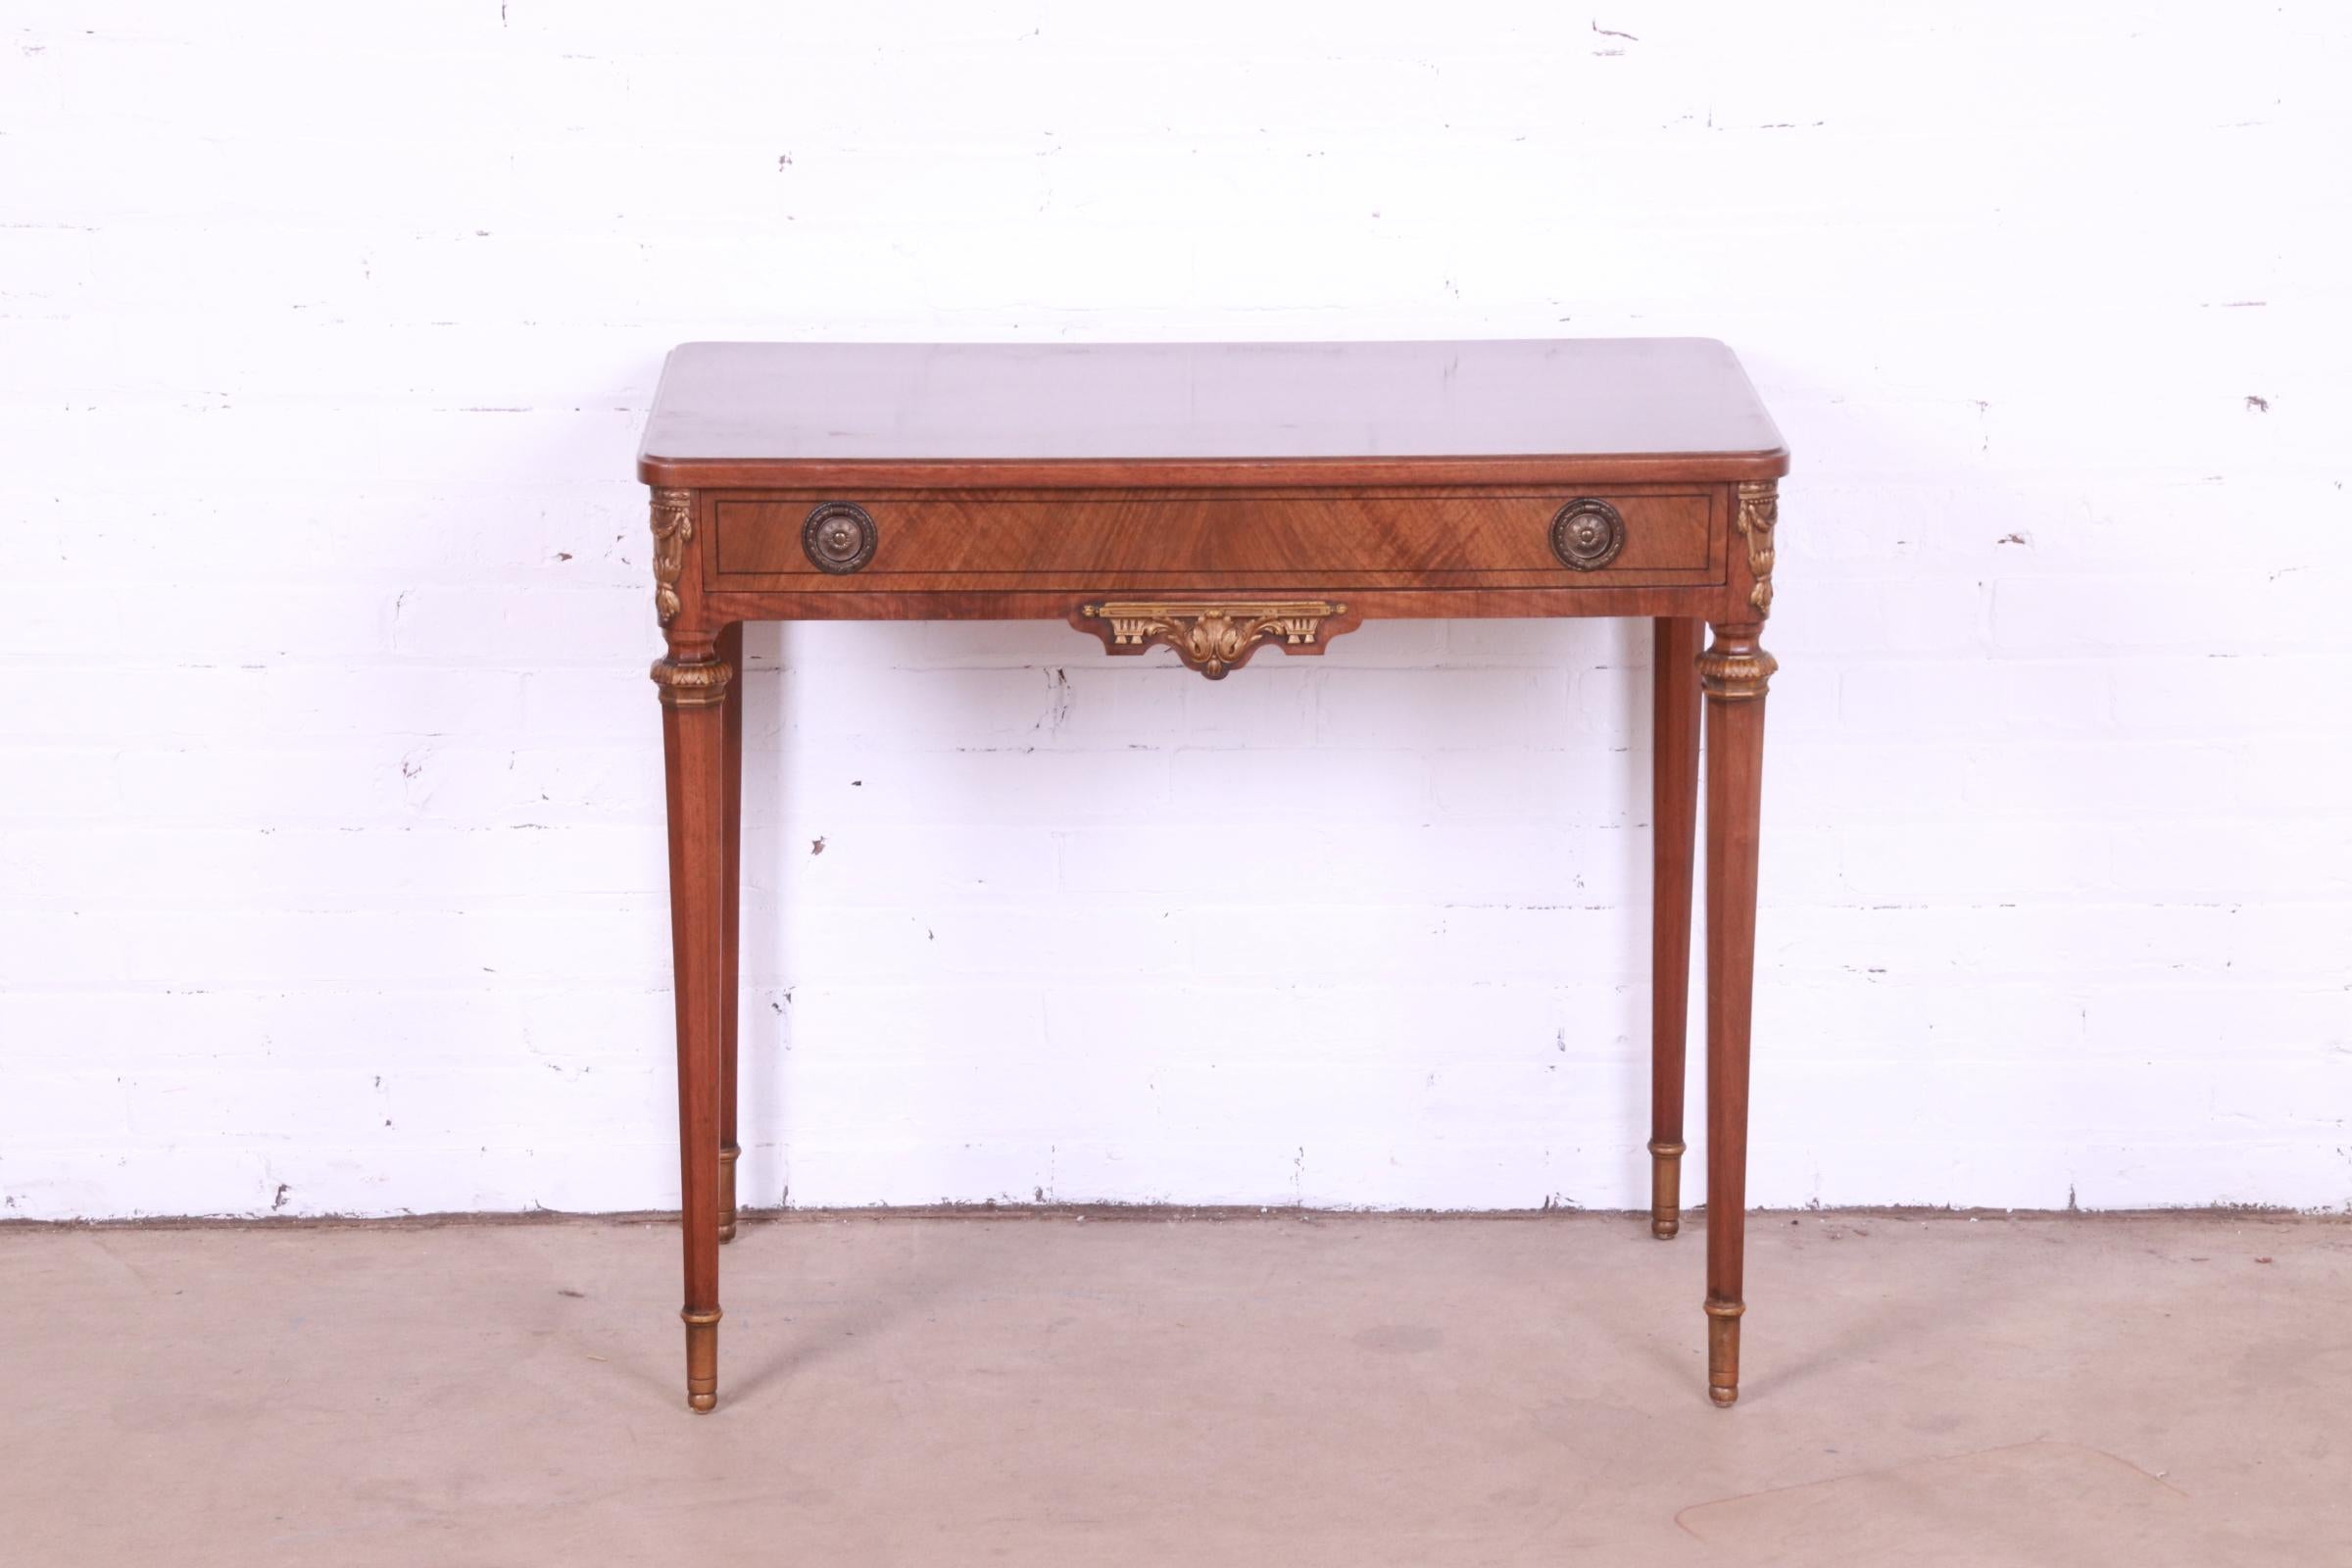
[1223, 414]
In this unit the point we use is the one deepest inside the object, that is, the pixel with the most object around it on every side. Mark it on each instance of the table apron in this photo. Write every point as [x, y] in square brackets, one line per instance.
[1019, 555]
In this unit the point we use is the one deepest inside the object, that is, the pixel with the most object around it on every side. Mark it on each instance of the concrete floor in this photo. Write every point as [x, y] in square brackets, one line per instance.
[1296, 1389]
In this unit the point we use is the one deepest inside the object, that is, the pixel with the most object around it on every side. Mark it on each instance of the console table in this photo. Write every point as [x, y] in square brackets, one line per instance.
[1218, 501]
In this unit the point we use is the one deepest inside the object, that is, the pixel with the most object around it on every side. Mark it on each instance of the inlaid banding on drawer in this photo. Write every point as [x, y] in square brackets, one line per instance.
[1048, 540]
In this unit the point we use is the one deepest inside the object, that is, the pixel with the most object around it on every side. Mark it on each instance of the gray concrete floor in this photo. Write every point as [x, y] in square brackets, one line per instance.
[1294, 1390]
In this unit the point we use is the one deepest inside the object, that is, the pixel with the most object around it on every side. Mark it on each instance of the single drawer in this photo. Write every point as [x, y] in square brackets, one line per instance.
[919, 540]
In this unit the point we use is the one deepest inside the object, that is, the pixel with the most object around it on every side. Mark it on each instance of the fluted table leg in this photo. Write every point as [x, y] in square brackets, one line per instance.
[1674, 819]
[1734, 673]
[730, 653]
[694, 749]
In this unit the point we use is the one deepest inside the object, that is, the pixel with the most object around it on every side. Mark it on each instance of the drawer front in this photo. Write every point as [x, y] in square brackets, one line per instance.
[918, 541]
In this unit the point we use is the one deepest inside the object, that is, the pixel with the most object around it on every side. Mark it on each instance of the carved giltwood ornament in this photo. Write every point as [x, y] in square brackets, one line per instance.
[696, 685]
[1212, 638]
[1735, 668]
[1759, 513]
[673, 526]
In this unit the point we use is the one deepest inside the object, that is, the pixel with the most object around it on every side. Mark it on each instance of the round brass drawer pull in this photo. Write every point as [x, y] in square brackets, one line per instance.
[1587, 535]
[839, 537]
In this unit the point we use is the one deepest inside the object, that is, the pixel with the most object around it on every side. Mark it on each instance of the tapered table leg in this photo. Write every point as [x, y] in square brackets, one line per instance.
[1674, 819]
[1734, 673]
[730, 653]
[693, 751]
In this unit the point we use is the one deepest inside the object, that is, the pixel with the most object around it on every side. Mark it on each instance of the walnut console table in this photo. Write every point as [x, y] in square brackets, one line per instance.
[1218, 501]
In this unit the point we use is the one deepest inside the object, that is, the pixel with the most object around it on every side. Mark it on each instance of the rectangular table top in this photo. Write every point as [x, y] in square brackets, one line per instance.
[1218, 413]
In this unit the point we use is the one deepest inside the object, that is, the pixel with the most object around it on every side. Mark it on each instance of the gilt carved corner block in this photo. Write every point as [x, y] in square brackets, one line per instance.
[673, 528]
[1214, 638]
[1759, 513]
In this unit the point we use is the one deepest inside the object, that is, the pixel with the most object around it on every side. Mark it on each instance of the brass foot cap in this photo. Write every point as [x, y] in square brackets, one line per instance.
[1665, 1230]
[702, 1404]
[1722, 1396]
[726, 1232]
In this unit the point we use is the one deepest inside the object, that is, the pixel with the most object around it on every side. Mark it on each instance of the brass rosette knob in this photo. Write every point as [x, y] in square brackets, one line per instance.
[839, 537]
[1587, 535]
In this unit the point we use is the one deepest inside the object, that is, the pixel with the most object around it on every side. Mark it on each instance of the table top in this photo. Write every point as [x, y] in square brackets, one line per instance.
[751, 414]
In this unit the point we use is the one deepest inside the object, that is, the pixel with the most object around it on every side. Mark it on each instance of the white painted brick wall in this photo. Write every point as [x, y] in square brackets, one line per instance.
[330, 870]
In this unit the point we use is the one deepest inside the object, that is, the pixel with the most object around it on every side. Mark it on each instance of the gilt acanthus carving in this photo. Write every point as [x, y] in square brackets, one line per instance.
[1213, 638]
[1735, 668]
[699, 683]
[1759, 513]
[673, 526]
